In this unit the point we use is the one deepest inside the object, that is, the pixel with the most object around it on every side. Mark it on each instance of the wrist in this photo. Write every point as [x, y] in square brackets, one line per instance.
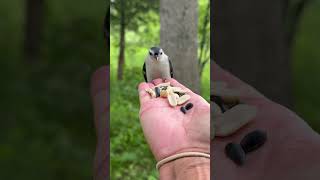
[186, 168]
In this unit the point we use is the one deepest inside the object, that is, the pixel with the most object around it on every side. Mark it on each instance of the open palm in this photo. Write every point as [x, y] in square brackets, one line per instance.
[290, 153]
[167, 129]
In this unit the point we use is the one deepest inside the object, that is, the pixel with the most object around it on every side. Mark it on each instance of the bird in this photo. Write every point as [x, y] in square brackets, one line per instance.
[157, 65]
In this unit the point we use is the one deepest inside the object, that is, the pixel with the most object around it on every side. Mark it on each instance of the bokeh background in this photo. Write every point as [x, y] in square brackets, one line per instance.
[46, 129]
[46, 115]
[130, 155]
[306, 66]
[273, 46]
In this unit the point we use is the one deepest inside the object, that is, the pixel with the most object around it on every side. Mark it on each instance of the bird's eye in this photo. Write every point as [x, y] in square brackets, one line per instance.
[150, 53]
[161, 53]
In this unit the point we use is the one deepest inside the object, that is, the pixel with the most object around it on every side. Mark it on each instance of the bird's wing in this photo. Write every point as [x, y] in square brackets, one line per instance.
[144, 72]
[171, 67]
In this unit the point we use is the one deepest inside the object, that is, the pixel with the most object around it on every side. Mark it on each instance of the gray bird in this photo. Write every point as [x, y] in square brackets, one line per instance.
[157, 65]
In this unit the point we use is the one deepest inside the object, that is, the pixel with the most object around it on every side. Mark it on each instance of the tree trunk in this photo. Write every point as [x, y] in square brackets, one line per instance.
[250, 42]
[33, 29]
[178, 36]
[121, 62]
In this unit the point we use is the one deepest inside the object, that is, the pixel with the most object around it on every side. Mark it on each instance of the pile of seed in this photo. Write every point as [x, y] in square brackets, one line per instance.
[228, 115]
[176, 96]
[224, 103]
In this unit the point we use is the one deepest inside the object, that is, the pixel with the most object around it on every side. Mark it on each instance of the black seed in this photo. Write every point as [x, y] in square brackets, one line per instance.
[235, 153]
[230, 106]
[157, 90]
[164, 87]
[183, 109]
[189, 106]
[253, 141]
[218, 100]
[180, 94]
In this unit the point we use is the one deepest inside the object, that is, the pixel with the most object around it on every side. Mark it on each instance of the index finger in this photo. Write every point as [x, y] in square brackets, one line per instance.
[100, 94]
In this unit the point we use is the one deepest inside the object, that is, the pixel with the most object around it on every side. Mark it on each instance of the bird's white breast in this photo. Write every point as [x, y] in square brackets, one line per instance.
[157, 69]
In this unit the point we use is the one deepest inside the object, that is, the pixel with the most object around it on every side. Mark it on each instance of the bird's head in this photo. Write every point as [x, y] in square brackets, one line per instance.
[155, 53]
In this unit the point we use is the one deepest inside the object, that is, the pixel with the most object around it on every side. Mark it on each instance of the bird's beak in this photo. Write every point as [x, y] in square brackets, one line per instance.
[157, 58]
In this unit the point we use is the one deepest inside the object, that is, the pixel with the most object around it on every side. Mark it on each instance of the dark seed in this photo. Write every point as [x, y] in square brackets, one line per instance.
[230, 101]
[230, 106]
[189, 106]
[180, 94]
[253, 141]
[235, 153]
[183, 109]
[218, 100]
[157, 90]
[164, 87]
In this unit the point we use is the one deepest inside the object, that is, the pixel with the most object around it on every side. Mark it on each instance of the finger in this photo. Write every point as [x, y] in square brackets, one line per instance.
[175, 83]
[100, 80]
[100, 94]
[144, 96]
[100, 97]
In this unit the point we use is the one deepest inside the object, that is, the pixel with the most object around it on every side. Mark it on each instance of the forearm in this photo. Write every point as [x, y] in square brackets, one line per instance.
[187, 168]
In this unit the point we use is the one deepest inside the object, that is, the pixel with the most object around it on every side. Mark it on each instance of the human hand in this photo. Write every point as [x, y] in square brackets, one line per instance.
[289, 152]
[167, 130]
[100, 97]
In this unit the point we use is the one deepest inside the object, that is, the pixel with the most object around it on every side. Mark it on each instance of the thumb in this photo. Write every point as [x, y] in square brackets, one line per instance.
[100, 97]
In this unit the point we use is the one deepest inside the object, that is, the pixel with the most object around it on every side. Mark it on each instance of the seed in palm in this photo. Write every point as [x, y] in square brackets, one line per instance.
[235, 153]
[253, 141]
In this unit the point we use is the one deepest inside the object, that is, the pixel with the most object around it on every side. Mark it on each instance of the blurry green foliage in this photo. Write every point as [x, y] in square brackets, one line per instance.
[135, 11]
[130, 155]
[204, 35]
[46, 112]
[306, 65]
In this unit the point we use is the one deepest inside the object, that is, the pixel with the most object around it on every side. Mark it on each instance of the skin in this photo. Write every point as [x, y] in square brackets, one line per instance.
[168, 131]
[100, 98]
[184, 168]
[291, 151]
